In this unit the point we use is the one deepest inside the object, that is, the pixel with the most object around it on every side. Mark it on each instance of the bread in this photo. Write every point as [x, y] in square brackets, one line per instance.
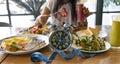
[89, 31]
[84, 32]
[94, 31]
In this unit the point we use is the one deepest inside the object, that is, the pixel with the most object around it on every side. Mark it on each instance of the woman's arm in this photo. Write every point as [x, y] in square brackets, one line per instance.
[42, 19]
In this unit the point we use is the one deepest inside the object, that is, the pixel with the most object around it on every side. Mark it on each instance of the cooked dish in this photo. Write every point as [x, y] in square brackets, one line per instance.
[35, 30]
[89, 40]
[22, 43]
[90, 43]
[14, 44]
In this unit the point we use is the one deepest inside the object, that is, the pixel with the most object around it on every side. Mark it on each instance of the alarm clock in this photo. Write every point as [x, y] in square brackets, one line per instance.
[60, 38]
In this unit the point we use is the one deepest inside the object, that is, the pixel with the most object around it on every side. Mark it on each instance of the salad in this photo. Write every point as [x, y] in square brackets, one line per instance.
[90, 43]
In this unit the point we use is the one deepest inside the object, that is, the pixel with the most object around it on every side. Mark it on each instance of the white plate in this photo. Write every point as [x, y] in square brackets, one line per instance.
[42, 37]
[107, 45]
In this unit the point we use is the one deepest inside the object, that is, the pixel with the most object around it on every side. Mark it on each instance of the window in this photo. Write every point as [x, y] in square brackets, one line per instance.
[27, 10]
[3, 12]
[111, 8]
[20, 13]
[3, 8]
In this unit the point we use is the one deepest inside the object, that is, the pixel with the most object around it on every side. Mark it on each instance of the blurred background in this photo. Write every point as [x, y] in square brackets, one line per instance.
[22, 13]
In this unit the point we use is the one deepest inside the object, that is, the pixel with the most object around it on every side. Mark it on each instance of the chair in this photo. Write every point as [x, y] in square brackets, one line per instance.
[3, 24]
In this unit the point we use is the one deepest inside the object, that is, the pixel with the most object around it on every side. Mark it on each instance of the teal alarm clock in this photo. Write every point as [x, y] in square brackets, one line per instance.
[60, 38]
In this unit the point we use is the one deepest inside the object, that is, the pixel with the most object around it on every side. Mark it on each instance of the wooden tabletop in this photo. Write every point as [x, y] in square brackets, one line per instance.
[2, 56]
[112, 56]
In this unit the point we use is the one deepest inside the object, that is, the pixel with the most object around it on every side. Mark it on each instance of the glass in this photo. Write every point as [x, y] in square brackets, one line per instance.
[115, 32]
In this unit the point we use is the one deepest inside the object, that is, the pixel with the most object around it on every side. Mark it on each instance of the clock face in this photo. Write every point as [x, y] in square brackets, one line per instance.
[60, 40]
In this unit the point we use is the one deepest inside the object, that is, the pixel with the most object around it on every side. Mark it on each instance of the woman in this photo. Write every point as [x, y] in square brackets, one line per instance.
[61, 11]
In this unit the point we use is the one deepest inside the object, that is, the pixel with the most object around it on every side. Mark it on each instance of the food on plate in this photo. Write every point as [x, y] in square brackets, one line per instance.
[34, 44]
[14, 44]
[35, 30]
[94, 31]
[84, 32]
[90, 43]
[89, 31]
[22, 43]
[89, 40]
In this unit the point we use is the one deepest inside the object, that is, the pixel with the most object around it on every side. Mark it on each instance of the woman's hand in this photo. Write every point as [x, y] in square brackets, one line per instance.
[38, 22]
[82, 23]
[41, 20]
[86, 12]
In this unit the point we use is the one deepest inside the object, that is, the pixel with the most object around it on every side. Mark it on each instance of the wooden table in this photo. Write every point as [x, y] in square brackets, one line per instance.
[110, 57]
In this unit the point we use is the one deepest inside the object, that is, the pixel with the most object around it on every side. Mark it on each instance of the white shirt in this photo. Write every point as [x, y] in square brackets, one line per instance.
[64, 16]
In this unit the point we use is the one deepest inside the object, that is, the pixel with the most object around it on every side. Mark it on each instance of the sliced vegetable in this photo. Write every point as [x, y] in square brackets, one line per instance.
[91, 43]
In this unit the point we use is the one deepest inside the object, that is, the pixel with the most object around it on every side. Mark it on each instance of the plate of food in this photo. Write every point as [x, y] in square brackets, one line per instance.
[89, 41]
[91, 44]
[23, 44]
[33, 30]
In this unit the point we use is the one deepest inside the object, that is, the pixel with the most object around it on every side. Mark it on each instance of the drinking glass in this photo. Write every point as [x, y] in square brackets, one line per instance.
[115, 34]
